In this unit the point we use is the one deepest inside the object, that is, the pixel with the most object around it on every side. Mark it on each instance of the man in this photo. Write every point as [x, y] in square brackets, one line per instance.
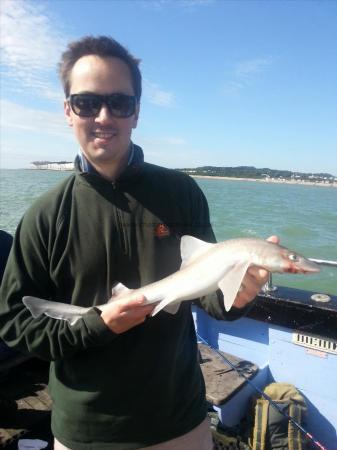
[119, 379]
[6, 240]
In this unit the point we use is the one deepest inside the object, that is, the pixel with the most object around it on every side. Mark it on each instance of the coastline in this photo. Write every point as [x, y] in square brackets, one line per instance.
[268, 180]
[68, 167]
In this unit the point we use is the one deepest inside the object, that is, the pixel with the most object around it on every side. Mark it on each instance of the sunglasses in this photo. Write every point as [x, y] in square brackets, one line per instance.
[89, 105]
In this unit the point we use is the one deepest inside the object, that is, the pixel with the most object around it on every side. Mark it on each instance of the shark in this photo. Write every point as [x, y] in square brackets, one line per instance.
[205, 268]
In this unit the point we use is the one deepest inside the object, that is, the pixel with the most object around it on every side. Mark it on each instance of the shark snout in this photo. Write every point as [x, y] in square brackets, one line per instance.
[303, 266]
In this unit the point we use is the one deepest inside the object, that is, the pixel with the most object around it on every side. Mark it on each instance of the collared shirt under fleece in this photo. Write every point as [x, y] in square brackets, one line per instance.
[123, 391]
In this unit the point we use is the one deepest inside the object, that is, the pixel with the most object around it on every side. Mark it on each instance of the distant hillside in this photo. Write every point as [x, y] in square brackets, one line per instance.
[253, 172]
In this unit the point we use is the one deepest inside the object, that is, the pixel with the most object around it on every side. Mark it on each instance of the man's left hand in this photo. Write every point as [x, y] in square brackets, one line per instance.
[253, 282]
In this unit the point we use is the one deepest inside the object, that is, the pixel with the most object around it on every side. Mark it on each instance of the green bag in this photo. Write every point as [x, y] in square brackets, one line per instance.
[271, 430]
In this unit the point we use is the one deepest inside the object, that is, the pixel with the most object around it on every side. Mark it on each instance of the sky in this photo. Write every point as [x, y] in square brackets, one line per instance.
[225, 83]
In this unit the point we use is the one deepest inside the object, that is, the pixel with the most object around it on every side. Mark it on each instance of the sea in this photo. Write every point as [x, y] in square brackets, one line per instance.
[303, 216]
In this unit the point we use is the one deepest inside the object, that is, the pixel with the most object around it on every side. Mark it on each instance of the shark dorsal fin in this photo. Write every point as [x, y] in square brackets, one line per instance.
[191, 248]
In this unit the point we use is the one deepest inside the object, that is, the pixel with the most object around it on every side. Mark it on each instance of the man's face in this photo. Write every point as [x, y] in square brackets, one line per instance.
[104, 139]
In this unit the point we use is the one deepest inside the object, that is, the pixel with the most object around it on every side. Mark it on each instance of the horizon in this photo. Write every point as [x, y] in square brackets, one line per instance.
[177, 168]
[225, 83]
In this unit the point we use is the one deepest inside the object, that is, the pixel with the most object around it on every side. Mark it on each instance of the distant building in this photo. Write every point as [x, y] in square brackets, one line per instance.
[52, 165]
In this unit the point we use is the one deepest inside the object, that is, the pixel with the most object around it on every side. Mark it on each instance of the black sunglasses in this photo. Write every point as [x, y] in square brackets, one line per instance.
[89, 105]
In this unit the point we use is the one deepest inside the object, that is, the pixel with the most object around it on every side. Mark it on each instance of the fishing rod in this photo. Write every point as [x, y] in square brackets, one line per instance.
[324, 262]
[266, 397]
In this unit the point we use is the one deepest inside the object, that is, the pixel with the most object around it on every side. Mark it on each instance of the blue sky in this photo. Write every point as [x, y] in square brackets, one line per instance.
[226, 83]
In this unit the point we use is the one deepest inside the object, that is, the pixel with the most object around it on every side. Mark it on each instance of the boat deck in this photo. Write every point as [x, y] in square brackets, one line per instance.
[223, 382]
[25, 404]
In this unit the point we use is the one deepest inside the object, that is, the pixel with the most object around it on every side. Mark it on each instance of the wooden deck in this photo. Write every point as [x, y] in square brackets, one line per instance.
[24, 403]
[222, 382]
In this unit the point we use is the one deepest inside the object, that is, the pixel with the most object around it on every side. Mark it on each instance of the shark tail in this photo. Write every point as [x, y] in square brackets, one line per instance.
[55, 310]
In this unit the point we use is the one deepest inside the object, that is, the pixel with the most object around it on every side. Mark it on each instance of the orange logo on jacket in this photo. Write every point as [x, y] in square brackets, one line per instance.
[162, 230]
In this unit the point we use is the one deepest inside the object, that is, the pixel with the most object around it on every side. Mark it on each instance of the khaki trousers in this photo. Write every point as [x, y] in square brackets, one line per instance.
[200, 438]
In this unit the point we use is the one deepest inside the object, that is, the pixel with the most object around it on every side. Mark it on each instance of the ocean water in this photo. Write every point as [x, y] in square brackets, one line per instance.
[304, 217]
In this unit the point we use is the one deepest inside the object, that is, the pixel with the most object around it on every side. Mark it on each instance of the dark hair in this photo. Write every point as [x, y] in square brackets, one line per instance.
[105, 47]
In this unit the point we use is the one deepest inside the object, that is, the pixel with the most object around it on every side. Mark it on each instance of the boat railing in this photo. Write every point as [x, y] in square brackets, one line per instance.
[324, 262]
[269, 287]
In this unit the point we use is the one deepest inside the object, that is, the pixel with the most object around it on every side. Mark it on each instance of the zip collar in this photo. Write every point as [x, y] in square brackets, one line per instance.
[135, 163]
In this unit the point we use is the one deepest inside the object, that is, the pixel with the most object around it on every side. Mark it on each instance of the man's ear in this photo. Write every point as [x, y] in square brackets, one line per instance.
[67, 113]
[136, 115]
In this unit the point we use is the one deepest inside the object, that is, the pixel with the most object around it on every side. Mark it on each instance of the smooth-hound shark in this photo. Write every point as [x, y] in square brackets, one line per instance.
[205, 268]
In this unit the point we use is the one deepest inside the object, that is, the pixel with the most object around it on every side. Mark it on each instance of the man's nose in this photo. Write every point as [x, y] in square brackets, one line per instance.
[104, 114]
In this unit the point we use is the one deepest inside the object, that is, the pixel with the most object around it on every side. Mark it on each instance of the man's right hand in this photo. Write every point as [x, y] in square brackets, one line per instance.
[121, 315]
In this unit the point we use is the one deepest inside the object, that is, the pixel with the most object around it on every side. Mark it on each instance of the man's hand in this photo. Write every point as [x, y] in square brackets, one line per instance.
[253, 282]
[121, 315]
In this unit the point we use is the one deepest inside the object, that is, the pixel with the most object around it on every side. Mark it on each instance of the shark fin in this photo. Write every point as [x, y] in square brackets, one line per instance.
[191, 248]
[172, 308]
[55, 310]
[118, 290]
[231, 282]
[168, 304]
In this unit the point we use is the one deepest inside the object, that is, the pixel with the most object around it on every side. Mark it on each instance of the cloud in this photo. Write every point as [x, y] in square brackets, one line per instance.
[244, 74]
[160, 142]
[195, 3]
[185, 5]
[30, 46]
[29, 134]
[167, 151]
[155, 5]
[157, 96]
[19, 117]
[251, 67]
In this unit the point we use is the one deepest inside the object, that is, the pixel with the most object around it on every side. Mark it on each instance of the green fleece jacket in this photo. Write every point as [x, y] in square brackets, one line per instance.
[110, 391]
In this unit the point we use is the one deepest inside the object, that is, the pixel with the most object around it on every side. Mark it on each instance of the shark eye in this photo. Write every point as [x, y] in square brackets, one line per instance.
[293, 257]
